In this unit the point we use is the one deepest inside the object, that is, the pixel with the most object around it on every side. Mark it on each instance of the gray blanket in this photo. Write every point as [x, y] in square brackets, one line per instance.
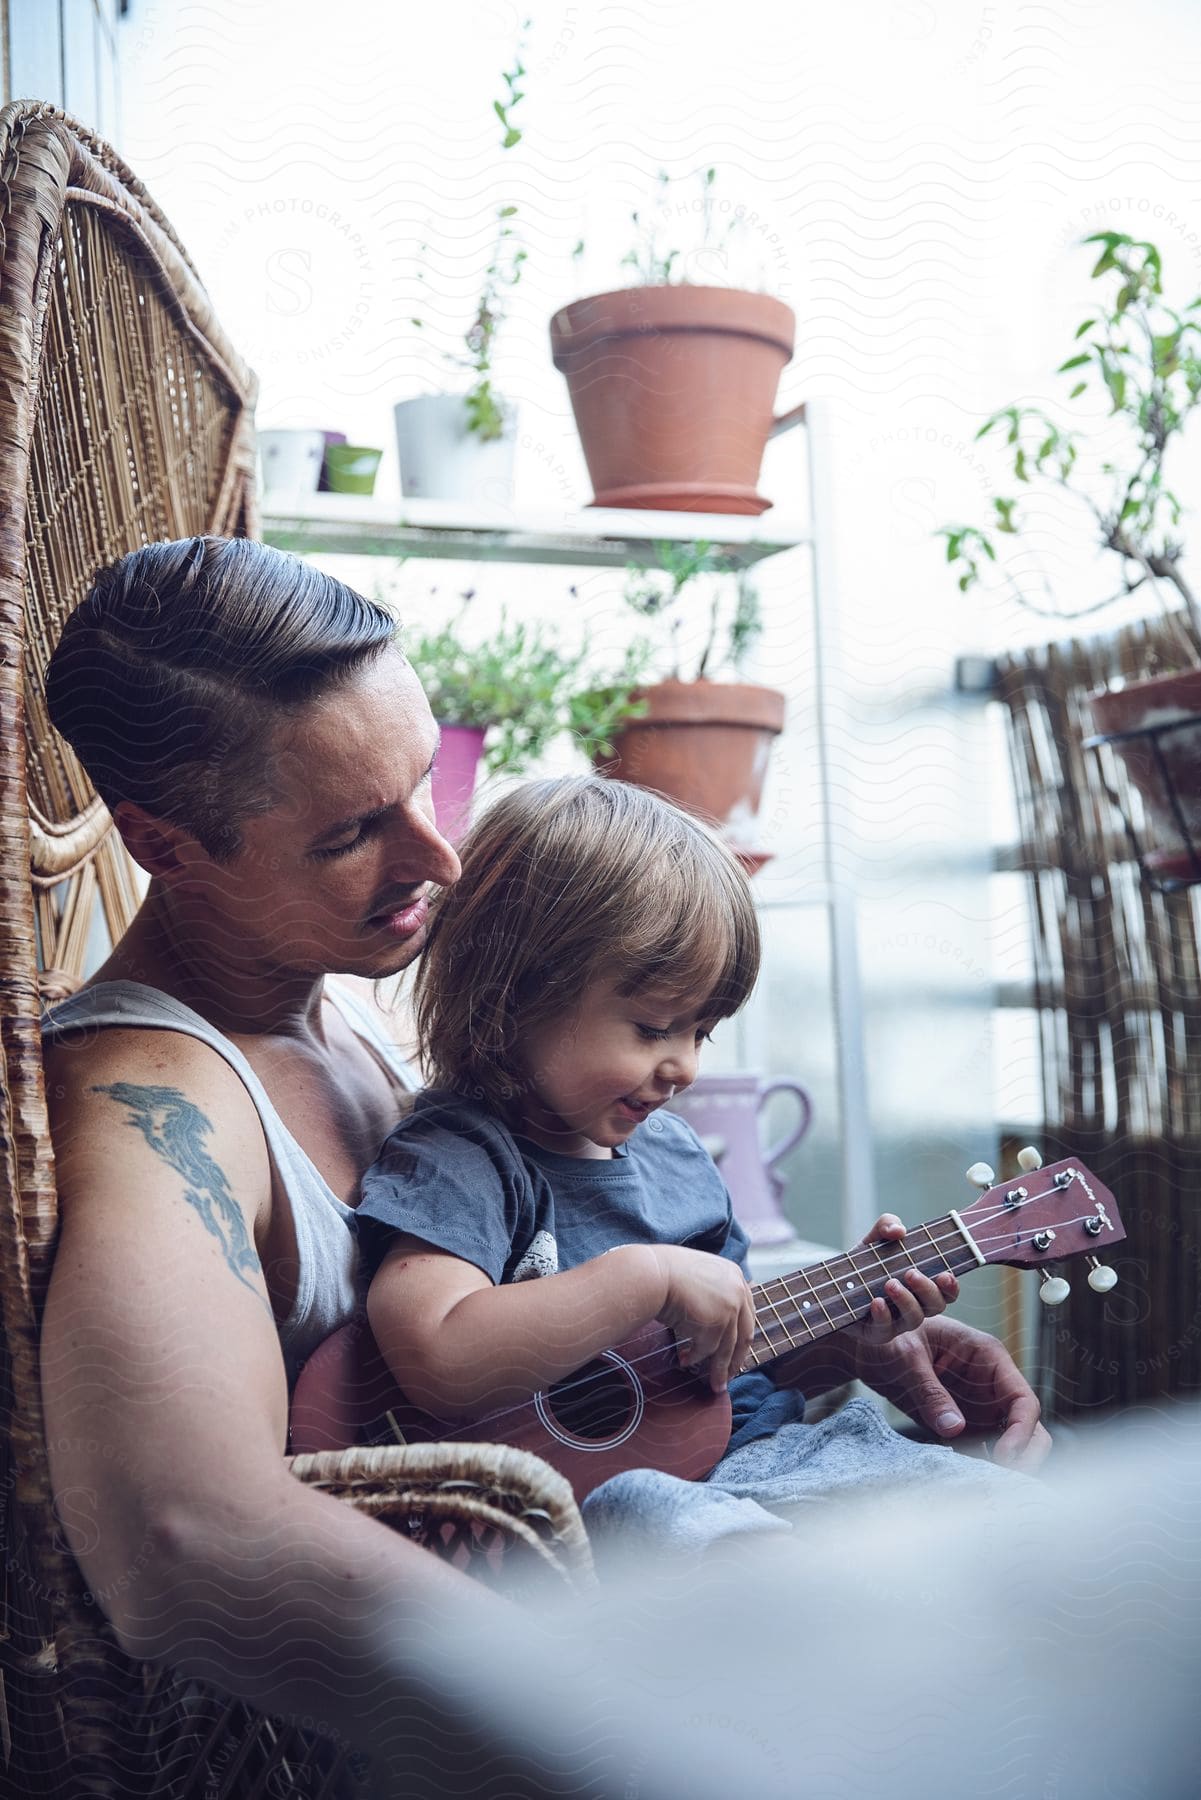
[775, 1464]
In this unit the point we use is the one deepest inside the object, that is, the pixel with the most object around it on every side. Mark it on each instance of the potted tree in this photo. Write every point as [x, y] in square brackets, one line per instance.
[702, 743]
[1146, 357]
[460, 446]
[500, 698]
[672, 383]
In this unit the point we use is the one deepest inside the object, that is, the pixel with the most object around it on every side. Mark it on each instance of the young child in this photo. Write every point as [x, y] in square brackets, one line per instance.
[538, 1205]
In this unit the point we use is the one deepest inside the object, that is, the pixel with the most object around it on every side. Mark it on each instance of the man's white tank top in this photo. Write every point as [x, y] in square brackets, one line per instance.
[327, 1290]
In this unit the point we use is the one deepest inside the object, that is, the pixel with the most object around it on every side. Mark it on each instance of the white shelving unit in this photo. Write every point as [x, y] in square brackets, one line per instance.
[347, 525]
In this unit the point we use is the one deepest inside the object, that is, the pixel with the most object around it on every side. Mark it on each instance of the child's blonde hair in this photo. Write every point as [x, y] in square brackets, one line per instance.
[566, 882]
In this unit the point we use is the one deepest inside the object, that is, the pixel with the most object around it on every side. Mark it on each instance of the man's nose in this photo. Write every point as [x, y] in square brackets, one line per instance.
[421, 853]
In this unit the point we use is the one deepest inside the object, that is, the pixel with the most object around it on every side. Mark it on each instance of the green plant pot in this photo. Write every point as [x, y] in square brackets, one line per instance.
[351, 468]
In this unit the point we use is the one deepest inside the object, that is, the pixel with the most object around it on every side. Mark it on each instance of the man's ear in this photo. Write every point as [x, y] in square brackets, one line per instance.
[156, 846]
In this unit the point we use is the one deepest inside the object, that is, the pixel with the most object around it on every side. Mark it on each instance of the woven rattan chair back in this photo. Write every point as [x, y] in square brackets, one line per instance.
[126, 417]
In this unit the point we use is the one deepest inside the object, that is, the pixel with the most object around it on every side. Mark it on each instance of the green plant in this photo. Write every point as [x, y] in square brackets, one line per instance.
[599, 709]
[515, 681]
[655, 593]
[610, 700]
[485, 411]
[715, 248]
[652, 258]
[1144, 356]
[519, 683]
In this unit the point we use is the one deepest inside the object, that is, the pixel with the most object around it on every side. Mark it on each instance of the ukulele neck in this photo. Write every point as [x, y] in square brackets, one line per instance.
[795, 1310]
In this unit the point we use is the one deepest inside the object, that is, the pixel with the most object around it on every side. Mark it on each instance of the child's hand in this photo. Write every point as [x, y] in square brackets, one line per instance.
[909, 1299]
[708, 1306]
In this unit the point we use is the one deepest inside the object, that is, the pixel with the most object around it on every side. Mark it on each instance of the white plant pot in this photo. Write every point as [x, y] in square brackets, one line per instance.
[290, 464]
[440, 459]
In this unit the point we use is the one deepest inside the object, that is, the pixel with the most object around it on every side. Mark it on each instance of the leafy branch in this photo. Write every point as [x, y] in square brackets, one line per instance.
[504, 108]
[1145, 357]
[485, 411]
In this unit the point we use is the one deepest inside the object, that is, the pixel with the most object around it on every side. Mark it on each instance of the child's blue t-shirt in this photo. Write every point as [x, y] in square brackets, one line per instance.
[452, 1174]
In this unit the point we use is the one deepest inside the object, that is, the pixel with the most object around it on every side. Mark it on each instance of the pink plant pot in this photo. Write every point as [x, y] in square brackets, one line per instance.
[331, 437]
[454, 778]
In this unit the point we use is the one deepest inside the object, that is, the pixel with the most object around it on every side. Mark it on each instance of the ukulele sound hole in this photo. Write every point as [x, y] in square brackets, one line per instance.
[594, 1402]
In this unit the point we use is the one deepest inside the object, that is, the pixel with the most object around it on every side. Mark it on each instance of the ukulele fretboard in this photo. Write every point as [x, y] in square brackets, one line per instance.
[794, 1310]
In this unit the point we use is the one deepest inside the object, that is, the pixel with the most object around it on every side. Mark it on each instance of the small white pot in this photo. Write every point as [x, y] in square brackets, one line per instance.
[440, 459]
[290, 464]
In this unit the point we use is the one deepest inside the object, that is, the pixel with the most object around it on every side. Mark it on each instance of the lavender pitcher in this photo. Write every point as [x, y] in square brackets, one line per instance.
[724, 1112]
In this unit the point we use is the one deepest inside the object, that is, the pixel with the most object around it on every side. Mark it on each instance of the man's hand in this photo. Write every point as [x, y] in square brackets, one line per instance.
[909, 1300]
[951, 1378]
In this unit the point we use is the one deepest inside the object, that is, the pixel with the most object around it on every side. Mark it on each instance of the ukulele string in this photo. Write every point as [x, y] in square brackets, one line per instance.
[785, 1310]
[904, 1257]
[577, 1380]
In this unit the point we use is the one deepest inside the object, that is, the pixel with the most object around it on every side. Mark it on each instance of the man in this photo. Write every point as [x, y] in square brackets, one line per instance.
[265, 750]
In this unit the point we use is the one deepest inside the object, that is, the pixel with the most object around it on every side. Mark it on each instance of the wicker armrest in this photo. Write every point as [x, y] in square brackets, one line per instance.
[486, 1507]
[464, 1501]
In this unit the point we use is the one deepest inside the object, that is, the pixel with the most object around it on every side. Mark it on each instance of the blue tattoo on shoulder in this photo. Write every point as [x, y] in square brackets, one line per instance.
[175, 1129]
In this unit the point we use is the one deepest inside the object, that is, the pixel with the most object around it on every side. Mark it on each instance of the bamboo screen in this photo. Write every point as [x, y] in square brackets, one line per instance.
[1118, 1001]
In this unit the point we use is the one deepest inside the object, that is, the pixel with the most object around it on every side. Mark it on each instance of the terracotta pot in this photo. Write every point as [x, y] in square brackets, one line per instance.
[673, 389]
[1164, 766]
[704, 744]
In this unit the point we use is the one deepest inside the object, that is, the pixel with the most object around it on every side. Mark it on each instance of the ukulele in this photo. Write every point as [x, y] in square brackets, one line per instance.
[634, 1407]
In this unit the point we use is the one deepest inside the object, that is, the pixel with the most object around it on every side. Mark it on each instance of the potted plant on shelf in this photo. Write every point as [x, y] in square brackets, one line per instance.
[1145, 356]
[460, 446]
[291, 461]
[500, 698]
[702, 743]
[672, 383]
[350, 469]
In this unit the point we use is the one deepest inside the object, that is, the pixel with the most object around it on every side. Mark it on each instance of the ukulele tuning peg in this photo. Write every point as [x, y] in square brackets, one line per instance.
[1054, 1290]
[1100, 1279]
[1029, 1160]
[980, 1175]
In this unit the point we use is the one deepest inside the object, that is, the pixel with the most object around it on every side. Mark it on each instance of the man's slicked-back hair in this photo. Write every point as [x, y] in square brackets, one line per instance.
[170, 677]
[566, 882]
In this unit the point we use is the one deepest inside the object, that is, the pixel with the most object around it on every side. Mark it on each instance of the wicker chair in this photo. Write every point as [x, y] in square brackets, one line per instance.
[126, 417]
